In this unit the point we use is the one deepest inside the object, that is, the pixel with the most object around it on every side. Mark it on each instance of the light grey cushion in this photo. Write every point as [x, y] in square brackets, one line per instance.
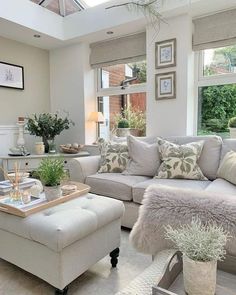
[210, 157]
[144, 157]
[114, 185]
[228, 145]
[222, 186]
[62, 225]
[139, 189]
[227, 169]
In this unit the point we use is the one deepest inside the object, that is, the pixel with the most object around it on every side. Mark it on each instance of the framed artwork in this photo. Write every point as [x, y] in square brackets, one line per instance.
[165, 54]
[11, 76]
[166, 86]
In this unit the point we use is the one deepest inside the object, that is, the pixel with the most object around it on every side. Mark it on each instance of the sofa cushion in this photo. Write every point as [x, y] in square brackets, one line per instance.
[227, 169]
[139, 189]
[114, 157]
[180, 161]
[221, 186]
[114, 185]
[229, 144]
[64, 224]
[144, 157]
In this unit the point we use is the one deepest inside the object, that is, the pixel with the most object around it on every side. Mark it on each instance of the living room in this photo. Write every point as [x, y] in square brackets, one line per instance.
[170, 66]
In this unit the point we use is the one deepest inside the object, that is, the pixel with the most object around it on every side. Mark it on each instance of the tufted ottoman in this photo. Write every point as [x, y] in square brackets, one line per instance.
[60, 243]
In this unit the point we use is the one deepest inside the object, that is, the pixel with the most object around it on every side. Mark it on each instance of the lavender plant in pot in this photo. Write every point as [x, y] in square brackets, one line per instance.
[202, 246]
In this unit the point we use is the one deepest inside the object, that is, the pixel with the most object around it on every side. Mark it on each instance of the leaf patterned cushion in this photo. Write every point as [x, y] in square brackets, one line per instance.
[180, 161]
[114, 157]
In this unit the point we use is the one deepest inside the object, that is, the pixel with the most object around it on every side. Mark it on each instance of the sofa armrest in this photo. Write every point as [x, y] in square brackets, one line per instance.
[80, 168]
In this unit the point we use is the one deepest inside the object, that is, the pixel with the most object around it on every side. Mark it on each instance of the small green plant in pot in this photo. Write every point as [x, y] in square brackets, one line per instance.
[232, 127]
[202, 246]
[123, 127]
[51, 172]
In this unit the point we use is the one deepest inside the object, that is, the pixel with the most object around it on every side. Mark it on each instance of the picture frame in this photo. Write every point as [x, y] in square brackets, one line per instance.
[165, 85]
[165, 53]
[11, 76]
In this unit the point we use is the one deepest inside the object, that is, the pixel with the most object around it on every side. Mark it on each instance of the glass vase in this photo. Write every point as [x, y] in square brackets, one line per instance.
[52, 146]
[16, 194]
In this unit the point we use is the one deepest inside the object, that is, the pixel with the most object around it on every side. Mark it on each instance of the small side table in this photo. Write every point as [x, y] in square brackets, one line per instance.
[31, 162]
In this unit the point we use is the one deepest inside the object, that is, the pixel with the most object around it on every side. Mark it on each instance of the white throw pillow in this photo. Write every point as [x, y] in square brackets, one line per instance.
[144, 157]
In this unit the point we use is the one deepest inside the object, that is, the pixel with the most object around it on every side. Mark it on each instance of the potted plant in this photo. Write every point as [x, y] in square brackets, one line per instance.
[47, 126]
[202, 246]
[122, 127]
[134, 121]
[232, 127]
[51, 172]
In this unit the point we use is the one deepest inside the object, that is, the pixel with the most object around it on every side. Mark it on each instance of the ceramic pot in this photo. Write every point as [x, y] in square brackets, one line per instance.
[122, 132]
[232, 132]
[52, 192]
[199, 277]
[39, 148]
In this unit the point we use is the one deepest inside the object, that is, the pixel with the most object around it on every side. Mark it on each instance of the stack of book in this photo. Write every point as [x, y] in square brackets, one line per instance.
[6, 185]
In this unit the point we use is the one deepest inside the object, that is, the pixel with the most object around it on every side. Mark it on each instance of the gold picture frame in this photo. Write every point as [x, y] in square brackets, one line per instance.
[165, 85]
[165, 53]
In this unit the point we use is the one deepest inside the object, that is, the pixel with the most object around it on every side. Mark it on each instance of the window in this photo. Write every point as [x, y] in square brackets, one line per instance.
[121, 90]
[216, 90]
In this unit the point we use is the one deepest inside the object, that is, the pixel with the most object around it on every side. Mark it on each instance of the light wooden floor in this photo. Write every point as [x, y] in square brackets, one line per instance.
[226, 284]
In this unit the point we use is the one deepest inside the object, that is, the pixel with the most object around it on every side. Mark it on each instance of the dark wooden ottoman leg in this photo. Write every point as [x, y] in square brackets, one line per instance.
[62, 292]
[114, 257]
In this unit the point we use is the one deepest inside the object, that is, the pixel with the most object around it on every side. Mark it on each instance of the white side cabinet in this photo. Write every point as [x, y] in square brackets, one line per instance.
[31, 162]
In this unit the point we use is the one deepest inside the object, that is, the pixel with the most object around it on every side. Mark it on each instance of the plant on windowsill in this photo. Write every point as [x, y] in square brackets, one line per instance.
[122, 127]
[202, 246]
[51, 172]
[136, 121]
[232, 127]
[47, 126]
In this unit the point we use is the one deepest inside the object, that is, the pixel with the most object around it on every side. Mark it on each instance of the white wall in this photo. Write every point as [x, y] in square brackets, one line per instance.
[36, 95]
[173, 116]
[72, 89]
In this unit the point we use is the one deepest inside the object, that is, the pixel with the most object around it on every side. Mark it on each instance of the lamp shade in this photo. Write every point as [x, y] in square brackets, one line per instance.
[96, 117]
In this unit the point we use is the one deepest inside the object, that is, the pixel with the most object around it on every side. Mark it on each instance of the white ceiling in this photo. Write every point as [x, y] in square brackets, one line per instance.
[89, 25]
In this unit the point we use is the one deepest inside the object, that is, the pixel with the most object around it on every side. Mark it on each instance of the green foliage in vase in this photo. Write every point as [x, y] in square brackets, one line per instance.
[198, 241]
[47, 125]
[232, 122]
[51, 171]
[123, 123]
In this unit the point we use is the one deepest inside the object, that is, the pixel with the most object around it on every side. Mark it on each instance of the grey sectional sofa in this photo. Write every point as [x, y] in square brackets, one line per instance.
[130, 189]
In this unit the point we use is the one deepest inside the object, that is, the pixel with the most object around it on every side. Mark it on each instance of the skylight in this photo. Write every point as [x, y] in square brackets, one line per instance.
[92, 3]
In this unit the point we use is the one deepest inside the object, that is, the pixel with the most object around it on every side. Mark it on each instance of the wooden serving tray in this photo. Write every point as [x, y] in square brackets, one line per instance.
[82, 189]
[171, 281]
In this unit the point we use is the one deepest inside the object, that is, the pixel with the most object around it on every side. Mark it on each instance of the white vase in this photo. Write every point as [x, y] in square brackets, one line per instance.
[122, 132]
[232, 132]
[199, 277]
[52, 192]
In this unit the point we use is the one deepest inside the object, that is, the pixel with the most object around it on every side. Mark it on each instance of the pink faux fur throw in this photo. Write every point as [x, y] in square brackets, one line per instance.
[165, 205]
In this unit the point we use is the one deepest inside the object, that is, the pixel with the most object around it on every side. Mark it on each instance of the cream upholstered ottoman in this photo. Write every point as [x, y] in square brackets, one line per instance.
[60, 243]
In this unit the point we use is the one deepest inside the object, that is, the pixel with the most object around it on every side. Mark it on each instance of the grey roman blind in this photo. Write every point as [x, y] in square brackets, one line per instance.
[117, 51]
[216, 30]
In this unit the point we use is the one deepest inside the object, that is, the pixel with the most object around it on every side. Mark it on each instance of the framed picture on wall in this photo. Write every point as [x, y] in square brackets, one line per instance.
[165, 86]
[11, 76]
[165, 54]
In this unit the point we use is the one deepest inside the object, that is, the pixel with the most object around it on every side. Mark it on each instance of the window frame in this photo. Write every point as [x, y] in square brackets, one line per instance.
[204, 81]
[117, 90]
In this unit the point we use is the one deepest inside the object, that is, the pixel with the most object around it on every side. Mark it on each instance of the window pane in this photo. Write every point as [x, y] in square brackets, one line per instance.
[124, 74]
[130, 106]
[217, 104]
[219, 61]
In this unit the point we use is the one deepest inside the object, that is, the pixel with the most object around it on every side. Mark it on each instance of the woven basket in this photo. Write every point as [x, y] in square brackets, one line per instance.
[70, 150]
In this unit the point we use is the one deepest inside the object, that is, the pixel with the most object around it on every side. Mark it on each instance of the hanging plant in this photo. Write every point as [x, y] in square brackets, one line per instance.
[149, 8]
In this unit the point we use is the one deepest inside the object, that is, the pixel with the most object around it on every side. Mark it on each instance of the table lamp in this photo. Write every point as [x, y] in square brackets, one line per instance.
[98, 118]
